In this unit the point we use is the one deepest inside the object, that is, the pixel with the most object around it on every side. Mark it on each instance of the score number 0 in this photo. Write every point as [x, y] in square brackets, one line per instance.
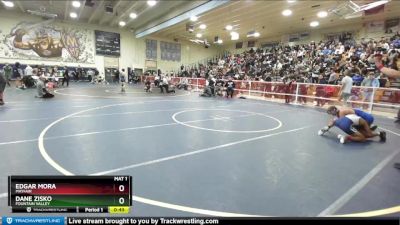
[121, 200]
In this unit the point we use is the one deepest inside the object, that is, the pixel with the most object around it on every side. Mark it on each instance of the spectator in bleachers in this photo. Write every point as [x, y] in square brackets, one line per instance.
[333, 77]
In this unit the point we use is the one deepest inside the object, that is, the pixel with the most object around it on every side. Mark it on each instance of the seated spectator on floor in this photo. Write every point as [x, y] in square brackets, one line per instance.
[157, 81]
[165, 84]
[147, 85]
[41, 88]
[230, 87]
[219, 87]
[183, 84]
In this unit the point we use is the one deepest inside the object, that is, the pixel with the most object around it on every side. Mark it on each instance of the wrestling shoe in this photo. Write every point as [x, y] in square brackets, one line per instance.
[342, 138]
[373, 127]
[382, 135]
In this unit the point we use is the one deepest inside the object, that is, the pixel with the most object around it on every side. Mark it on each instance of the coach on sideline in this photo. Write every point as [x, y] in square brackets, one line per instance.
[393, 73]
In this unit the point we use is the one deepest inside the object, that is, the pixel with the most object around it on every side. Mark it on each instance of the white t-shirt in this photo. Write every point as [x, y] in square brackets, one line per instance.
[28, 71]
[347, 84]
[123, 77]
[165, 80]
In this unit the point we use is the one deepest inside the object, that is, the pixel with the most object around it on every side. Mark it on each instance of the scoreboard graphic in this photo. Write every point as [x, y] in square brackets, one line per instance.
[70, 194]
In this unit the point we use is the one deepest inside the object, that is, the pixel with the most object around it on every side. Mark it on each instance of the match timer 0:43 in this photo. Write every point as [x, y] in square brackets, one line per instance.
[96, 194]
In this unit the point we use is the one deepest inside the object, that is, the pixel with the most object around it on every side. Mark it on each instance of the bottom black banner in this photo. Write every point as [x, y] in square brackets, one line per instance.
[225, 221]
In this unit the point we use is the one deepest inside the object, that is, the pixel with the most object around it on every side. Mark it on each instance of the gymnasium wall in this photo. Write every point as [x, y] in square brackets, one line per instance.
[132, 49]
[315, 34]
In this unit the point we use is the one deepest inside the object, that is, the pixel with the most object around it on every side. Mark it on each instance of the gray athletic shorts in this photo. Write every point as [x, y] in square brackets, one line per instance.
[345, 96]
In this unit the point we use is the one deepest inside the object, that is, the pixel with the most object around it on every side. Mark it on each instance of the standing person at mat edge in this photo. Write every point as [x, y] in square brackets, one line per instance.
[393, 73]
[65, 77]
[122, 80]
[347, 85]
[3, 83]
[8, 70]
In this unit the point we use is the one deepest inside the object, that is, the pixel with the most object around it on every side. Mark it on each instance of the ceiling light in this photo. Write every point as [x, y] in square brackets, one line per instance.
[322, 14]
[76, 4]
[234, 35]
[219, 41]
[199, 35]
[374, 4]
[73, 15]
[228, 27]
[9, 4]
[203, 26]
[314, 24]
[151, 2]
[253, 34]
[133, 15]
[291, 1]
[193, 18]
[122, 23]
[287, 12]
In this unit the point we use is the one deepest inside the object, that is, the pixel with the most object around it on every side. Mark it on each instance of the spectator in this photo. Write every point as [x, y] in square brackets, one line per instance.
[320, 91]
[288, 88]
[90, 74]
[3, 83]
[122, 79]
[333, 77]
[65, 77]
[183, 84]
[391, 73]
[211, 85]
[28, 71]
[42, 90]
[147, 85]
[369, 83]
[346, 86]
[157, 80]
[230, 87]
[8, 73]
